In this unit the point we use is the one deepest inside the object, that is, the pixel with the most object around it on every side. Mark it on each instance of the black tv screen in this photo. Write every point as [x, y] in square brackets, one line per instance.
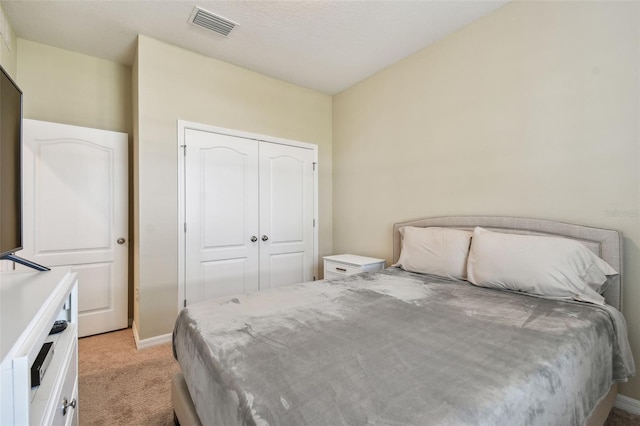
[10, 165]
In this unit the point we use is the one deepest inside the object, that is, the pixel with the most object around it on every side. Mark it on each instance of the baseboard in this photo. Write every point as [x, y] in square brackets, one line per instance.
[627, 404]
[152, 341]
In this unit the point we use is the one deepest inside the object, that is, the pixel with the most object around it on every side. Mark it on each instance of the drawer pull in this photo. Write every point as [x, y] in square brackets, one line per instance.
[341, 269]
[66, 404]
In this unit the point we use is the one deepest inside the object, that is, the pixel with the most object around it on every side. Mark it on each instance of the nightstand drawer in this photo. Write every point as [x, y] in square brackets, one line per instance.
[340, 268]
[343, 265]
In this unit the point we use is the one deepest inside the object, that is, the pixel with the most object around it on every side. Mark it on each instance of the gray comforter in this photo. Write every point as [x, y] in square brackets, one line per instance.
[395, 348]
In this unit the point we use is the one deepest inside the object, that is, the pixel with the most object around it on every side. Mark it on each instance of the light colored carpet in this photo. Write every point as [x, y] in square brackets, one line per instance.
[120, 385]
[619, 417]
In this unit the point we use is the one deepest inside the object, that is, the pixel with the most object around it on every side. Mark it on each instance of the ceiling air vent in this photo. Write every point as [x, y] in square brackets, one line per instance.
[212, 22]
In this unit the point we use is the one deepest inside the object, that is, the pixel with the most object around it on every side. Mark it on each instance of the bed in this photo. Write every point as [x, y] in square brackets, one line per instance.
[399, 347]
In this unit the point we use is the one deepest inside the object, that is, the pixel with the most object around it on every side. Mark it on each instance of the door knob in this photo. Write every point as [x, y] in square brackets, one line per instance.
[254, 239]
[265, 238]
[121, 240]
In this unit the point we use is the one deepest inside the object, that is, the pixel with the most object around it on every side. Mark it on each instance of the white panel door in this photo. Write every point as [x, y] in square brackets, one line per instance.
[221, 214]
[76, 213]
[286, 215]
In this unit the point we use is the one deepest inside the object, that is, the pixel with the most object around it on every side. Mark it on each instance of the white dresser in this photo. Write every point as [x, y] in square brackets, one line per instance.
[348, 264]
[30, 303]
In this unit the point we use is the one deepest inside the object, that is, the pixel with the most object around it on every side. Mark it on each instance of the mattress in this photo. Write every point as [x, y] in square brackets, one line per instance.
[397, 348]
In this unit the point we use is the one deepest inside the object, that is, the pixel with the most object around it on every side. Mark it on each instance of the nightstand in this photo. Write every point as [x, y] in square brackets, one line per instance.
[348, 264]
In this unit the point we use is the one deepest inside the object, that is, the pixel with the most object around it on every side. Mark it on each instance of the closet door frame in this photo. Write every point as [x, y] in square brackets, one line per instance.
[182, 127]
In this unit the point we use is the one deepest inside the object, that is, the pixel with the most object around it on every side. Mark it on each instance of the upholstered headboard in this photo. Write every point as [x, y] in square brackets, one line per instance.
[606, 243]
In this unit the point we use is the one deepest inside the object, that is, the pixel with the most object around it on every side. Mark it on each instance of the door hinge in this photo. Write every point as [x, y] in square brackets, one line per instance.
[184, 152]
[314, 223]
[314, 166]
[185, 227]
[185, 303]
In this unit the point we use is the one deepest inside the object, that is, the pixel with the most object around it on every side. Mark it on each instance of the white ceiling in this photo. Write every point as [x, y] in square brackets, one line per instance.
[323, 45]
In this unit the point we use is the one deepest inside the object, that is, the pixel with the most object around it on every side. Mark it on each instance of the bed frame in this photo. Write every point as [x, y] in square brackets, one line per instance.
[605, 243]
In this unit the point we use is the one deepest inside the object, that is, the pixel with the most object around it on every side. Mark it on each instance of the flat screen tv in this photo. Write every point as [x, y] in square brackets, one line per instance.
[11, 171]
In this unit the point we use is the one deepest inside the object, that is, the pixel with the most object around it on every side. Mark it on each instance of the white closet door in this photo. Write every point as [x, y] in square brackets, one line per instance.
[75, 213]
[286, 215]
[221, 212]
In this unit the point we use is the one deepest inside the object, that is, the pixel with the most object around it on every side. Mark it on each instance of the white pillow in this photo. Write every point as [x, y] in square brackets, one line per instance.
[436, 251]
[548, 266]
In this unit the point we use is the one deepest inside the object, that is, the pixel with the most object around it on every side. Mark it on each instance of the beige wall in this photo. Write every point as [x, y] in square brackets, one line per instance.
[531, 111]
[9, 49]
[9, 60]
[67, 87]
[173, 84]
[134, 208]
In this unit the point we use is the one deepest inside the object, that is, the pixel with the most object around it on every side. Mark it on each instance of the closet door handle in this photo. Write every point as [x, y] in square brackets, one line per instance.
[254, 239]
[265, 238]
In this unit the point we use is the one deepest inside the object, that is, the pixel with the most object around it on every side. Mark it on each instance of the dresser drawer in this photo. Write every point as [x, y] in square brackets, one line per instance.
[69, 391]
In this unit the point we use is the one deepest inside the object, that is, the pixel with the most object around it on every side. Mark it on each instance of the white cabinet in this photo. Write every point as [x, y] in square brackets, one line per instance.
[348, 264]
[249, 208]
[30, 303]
